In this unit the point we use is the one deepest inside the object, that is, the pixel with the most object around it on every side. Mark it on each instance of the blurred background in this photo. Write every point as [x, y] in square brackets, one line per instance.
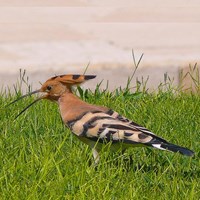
[49, 37]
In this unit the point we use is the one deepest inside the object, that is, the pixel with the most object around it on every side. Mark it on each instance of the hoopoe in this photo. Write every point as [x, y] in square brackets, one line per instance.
[95, 124]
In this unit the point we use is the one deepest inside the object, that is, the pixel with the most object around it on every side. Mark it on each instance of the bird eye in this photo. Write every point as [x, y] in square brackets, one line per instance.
[49, 87]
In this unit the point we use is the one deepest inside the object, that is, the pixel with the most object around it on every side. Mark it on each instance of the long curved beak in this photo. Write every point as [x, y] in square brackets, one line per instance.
[28, 107]
[27, 95]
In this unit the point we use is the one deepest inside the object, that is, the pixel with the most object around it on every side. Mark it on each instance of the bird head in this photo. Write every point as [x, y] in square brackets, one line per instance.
[55, 87]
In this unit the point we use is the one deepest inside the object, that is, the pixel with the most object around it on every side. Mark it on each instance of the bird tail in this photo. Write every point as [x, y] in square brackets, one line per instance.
[173, 148]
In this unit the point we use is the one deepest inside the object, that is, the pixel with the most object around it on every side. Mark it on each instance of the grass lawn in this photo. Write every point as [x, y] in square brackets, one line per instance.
[41, 159]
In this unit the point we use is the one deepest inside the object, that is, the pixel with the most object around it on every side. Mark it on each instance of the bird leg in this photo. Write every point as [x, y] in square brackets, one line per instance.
[96, 156]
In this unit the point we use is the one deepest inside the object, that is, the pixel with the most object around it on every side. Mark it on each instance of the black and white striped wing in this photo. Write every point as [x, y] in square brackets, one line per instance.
[97, 126]
[103, 127]
[92, 127]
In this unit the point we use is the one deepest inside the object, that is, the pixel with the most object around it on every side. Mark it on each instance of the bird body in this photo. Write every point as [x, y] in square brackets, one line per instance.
[97, 125]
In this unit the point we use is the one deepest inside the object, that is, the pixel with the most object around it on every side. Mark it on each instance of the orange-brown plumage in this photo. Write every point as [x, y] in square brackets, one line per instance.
[94, 124]
[71, 107]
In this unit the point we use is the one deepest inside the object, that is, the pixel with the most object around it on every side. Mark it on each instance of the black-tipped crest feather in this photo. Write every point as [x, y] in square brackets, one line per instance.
[88, 77]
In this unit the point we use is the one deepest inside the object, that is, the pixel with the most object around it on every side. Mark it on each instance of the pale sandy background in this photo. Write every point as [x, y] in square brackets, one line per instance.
[49, 37]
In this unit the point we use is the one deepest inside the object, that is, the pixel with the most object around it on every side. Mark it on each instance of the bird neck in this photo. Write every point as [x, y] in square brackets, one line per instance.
[70, 106]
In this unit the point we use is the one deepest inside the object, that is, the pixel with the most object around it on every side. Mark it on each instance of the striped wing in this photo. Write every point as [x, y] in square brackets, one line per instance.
[101, 127]
[111, 127]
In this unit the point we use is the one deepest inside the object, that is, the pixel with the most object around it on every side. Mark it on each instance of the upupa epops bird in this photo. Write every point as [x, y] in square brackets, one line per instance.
[94, 124]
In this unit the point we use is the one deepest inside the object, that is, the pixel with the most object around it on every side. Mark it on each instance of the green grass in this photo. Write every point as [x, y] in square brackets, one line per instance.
[41, 159]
